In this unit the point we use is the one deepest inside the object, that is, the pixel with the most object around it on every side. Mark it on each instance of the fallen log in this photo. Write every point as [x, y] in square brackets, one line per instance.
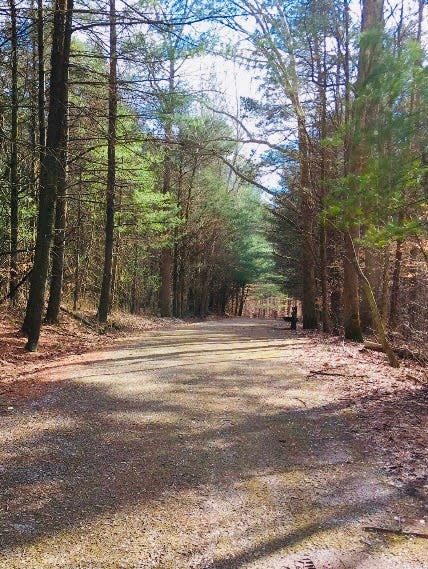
[78, 317]
[401, 351]
[373, 346]
[325, 372]
[16, 287]
[396, 531]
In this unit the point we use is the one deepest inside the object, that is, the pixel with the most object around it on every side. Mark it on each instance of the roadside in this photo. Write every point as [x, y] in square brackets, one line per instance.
[19, 369]
[389, 406]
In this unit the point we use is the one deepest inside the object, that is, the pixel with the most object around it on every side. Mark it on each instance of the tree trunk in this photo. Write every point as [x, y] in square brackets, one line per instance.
[182, 280]
[104, 301]
[377, 321]
[50, 170]
[115, 270]
[351, 301]
[175, 281]
[310, 320]
[320, 57]
[372, 19]
[41, 80]
[134, 304]
[325, 315]
[351, 309]
[371, 261]
[335, 281]
[395, 288]
[385, 286]
[13, 167]
[76, 289]
[58, 249]
[242, 299]
[166, 282]
[166, 264]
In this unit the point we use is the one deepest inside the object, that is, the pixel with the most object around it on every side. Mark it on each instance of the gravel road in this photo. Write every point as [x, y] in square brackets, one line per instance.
[204, 447]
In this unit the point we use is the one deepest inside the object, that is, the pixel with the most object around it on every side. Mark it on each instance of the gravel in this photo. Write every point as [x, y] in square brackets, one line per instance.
[204, 447]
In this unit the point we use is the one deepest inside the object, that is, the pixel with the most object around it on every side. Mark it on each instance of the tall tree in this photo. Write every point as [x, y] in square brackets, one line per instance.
[166, 261]
[13, 165]
[104, 302]
[369, 56]
[58, 249]
[351, 301]
[41, 78]
[274, 40]
[50, 168]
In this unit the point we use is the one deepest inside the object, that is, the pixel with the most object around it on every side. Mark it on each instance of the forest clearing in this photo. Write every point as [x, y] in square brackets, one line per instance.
[213, 284]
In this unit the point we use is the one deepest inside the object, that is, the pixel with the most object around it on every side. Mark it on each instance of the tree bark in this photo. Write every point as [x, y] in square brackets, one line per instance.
[166, 282]
[376, 315]
[104, 301]
[242, 299]
[372, 19]
[371, 261]
[41, 79]
[377, 320]
[351, 301]
[58, 249]
[13, 166]
[320, 56]
[50, 170]
[385, 286]
[351, 309]
[166, 263]
[310, 319]
[76, 288]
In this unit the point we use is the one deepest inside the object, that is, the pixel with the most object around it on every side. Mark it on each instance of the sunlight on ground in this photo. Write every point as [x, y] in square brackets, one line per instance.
[186, 452]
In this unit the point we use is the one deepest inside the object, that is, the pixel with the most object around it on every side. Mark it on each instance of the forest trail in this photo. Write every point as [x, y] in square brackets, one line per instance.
[204, 447]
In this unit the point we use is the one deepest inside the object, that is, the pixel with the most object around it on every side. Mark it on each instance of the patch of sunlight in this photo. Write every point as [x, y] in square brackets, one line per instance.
[160, 417]
[34, 428]
[221, 443]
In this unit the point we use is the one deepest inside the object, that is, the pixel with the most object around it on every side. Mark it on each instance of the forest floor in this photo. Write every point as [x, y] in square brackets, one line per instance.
[214, 445]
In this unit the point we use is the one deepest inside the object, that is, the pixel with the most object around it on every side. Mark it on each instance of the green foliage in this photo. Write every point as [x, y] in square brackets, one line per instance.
[386, 196]
[253, 253]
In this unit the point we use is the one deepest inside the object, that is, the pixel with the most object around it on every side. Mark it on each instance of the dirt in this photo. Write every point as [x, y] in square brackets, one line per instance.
[67, 338]
[216, 445]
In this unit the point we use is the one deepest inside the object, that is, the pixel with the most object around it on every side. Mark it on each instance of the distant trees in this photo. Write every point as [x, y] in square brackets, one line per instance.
[118, 167]
[123, 185]
[337, 123]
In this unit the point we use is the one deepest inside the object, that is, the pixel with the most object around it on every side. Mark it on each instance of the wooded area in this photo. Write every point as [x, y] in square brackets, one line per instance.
[127, 182]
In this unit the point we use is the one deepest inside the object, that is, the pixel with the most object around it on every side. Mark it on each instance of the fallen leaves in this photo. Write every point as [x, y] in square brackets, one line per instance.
[388, 406]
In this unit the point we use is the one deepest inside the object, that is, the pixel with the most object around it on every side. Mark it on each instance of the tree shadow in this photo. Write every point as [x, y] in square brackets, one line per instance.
[90, 447]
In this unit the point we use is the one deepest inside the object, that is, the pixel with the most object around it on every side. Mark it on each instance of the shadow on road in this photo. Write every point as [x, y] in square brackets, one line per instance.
[108, 441]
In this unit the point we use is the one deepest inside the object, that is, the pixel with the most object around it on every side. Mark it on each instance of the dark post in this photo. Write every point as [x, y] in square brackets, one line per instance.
[293, 318]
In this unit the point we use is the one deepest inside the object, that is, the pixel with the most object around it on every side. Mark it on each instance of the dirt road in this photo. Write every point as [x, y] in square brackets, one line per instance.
[204, 447]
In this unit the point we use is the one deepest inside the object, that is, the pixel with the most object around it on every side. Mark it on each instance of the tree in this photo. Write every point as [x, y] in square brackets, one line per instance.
[50, 168]
[275, 42]
[104, 302]
[13, 167]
